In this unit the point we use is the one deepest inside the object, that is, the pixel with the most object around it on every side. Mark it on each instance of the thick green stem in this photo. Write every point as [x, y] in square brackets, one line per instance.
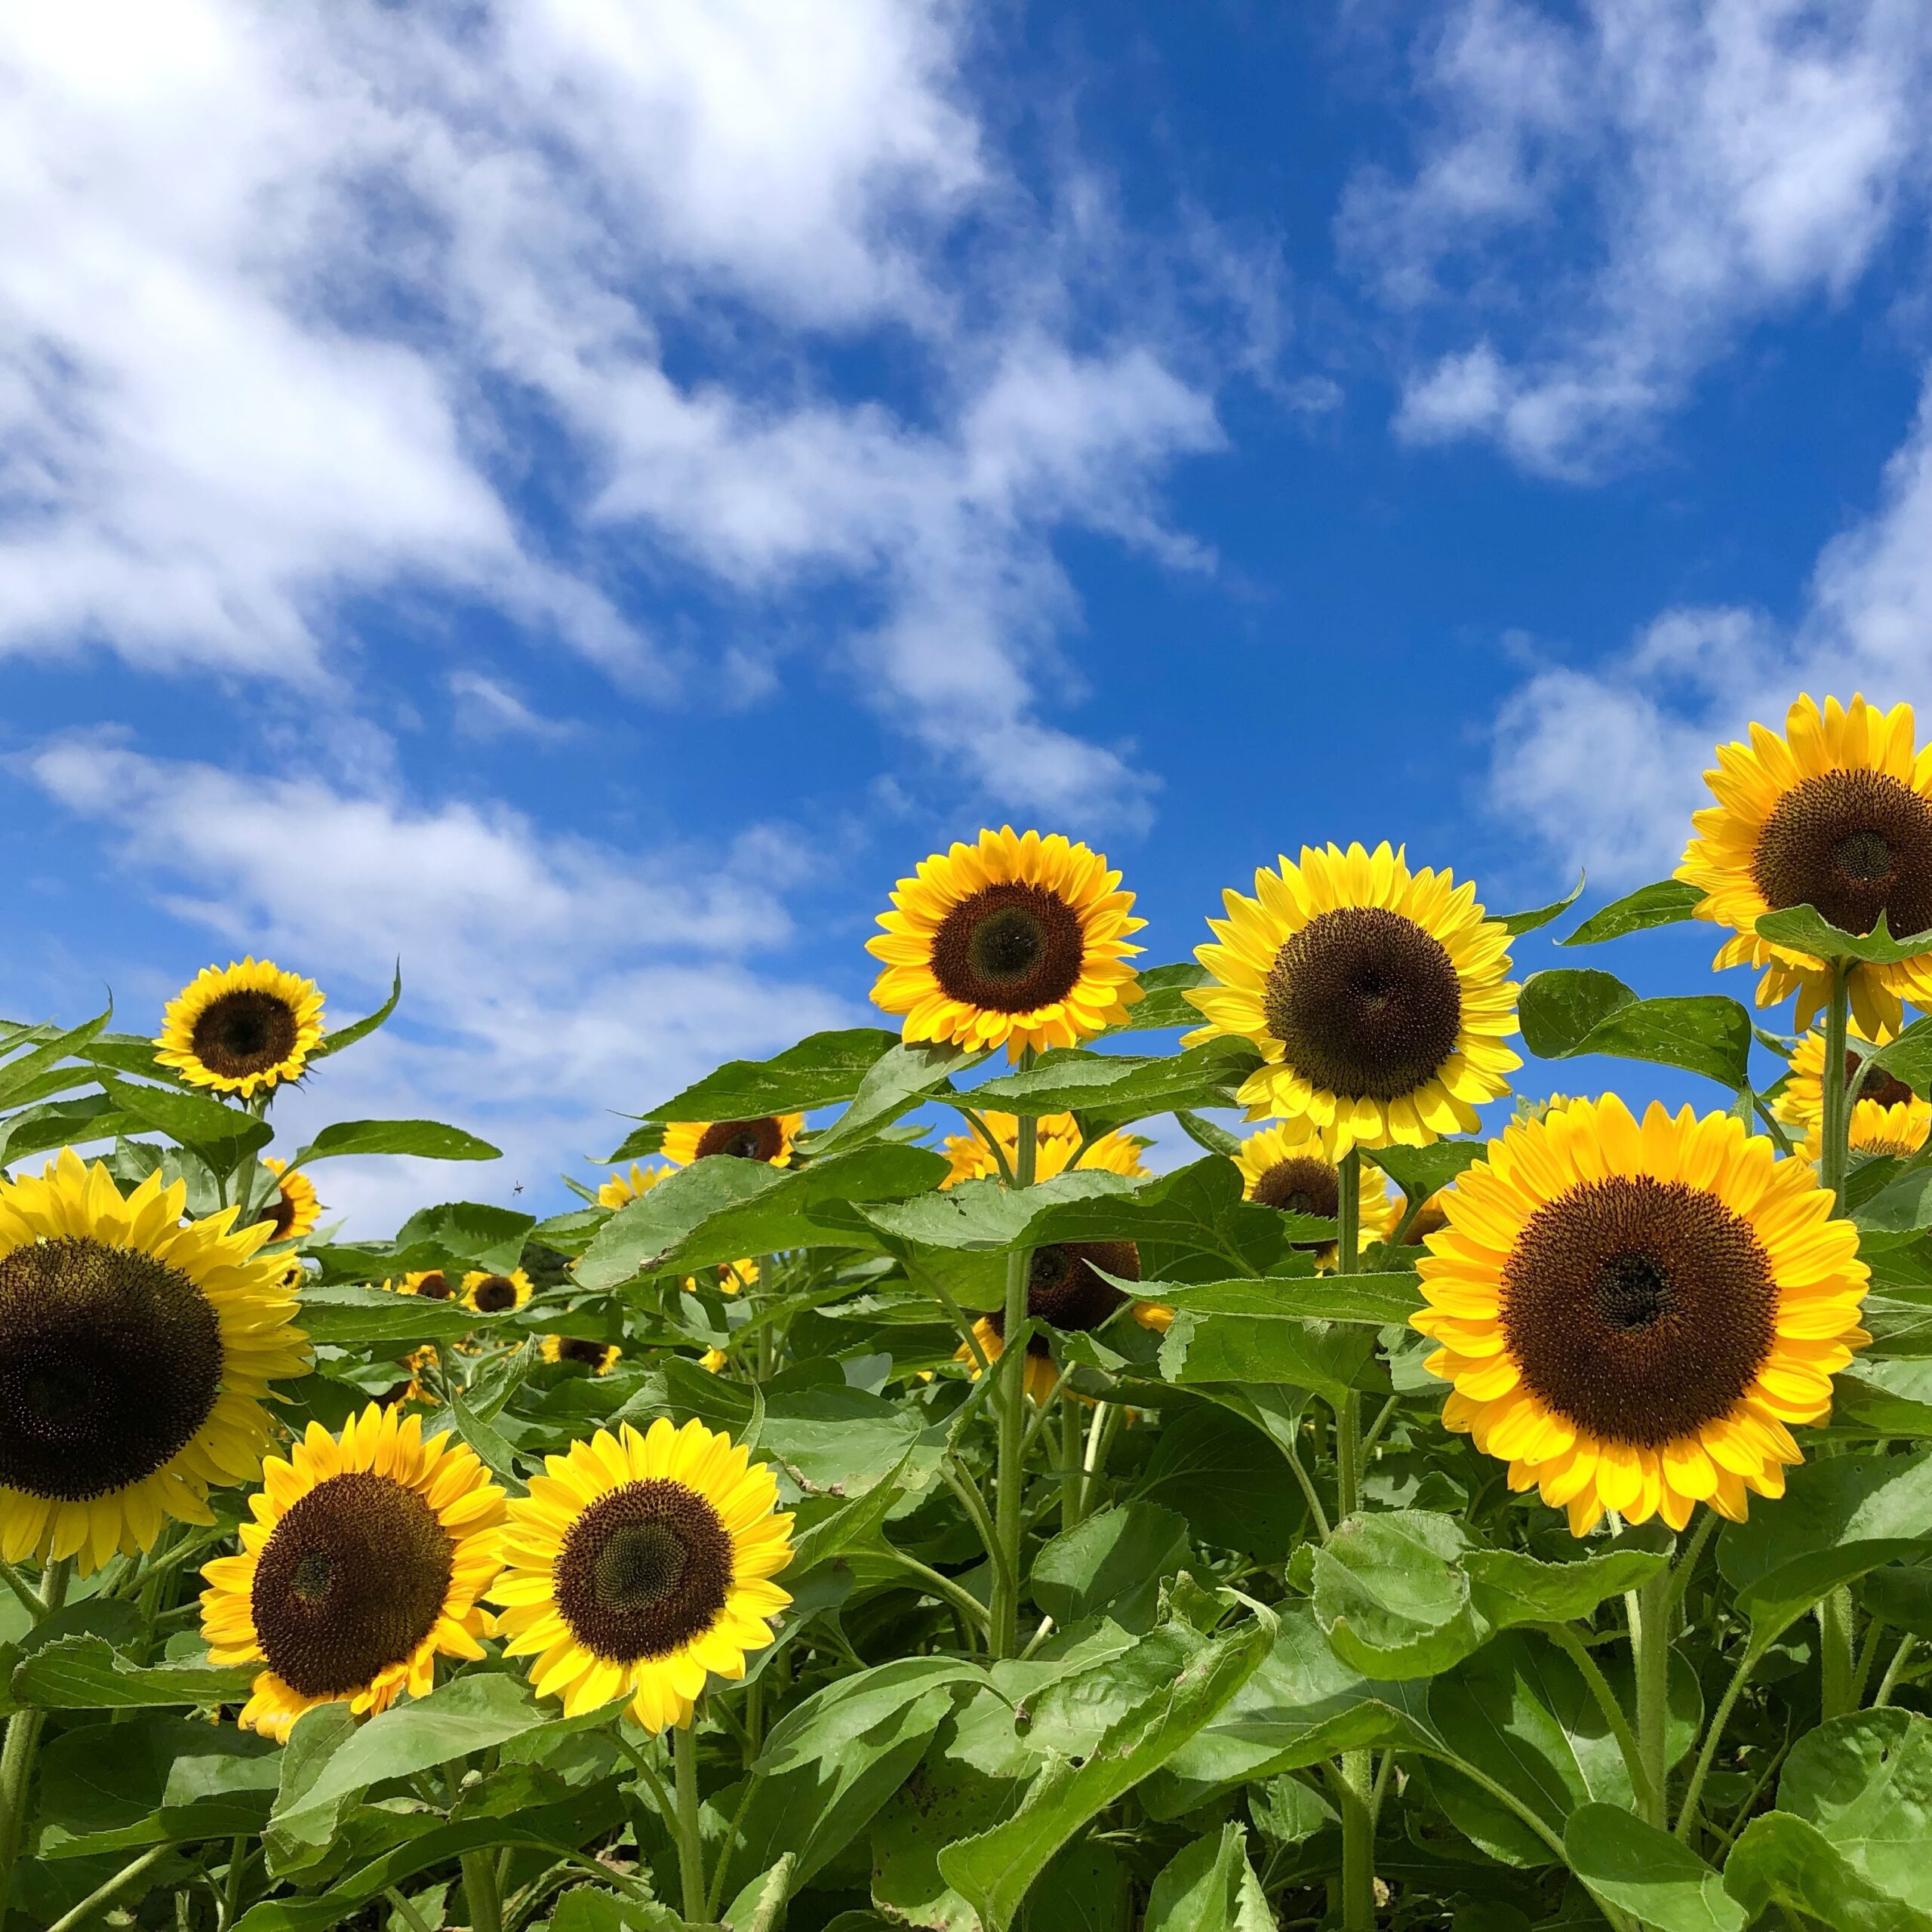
[1836, 1695]
[1072, 1447]
[1889, 1682]
[1835, 1130]
[480, 1893]
[1010, 1493]
[1687, 1818]
[690, 1842]
[1357, 1795]
[23, 1728]
[1650, 1622]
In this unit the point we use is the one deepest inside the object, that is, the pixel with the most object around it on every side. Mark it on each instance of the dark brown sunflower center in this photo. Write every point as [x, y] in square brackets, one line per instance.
[644, 1570]
[1009, 949]
[351, 1579]
[1637, 1308]
[574, 1348]
[435, 1286]
[1301, 1185]
[494, 1293]
[1429, 1219]
[279, 1214]
[1365, 1002]
[247, 1031]
[109, 1362]
[1063, 1289]
[1886, 1088]
[1854, 844]
[743, 1139]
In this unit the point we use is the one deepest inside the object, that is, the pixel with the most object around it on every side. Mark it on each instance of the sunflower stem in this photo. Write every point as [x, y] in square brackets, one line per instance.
[480, 1893]
[1835, 1672]
[1687, 1816]
[690, 1842]
[1650, 1640]
[1889, 1682]
[1835, 1129]
[1012, 1480]
[1599, 1687]
[1072, 1444]
[23, 1728]
[1356, 1790]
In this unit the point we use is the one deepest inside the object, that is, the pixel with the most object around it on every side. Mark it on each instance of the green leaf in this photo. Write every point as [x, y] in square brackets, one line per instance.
[1804, 929]
[348, 1317]
[1901, 1596]
[829, 1722]
[1516, 923]
[491, 1239]
[1419, 1171]
[995, 1869]
[22, 1080]
[1209, 1887]
[847, 1524]
[1646, 1872]
[1568, 1012]
[1781, 1860]
[427, 1139]
[893, 1085]
[1391, 1597]
[1509, 1587]
[1207, 1134]
[88, 1674]
[760, 1906]
[1112, 1090]
[360, 1029]
[583, 1909]
[1666, 903]
[821, 1069]
[224, 1133]
[1223, 1474]
[1908, 1057]
[1164, 1003]
[1117, 1556]
[1377, 1301]
[1278, 1346]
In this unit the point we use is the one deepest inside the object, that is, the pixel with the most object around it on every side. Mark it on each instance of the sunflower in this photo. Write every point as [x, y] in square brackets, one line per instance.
[410, 1389]
[729, 1278]
[1376, 996]
[621, 1188]
[1064, 1290]
[295, 1209]
[363, 1565]
[432, 1283]
[600, 1358]
[711, 1361]
[241, 1027]
[1287, 1167]
[1836, 814]
[1632, 1316]
[1015, 941]
[1887, 1117]
[641, 1564]
[495, 1294]
[135, 1359]
[769, 1138]
[1056, 1148]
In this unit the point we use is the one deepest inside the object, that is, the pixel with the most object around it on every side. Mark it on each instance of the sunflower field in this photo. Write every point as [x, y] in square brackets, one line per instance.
[886, 1500]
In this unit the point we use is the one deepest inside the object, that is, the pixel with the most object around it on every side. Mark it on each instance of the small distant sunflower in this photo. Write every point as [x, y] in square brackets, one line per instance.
[1887, 1117]
[363, 1565]
[496, 1294]
[1376, 995]
[600, 1358]
[1057, 1145]
[432, 1283]
[1836, 814]
[641, 1564]
[1063, 1289]
[1287, 1167]
[295, 1210]
[239, 1027]
[418, 1362]
[1633, 1316]
[1016, 941]
[729, 1278]
[713, 1360]
[621, 1188]
[136, 1355]
[769, 1138]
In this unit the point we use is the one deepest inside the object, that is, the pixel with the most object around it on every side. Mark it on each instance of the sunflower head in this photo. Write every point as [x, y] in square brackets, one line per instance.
[496, 1294]
[363, 1563]
[728, 1278]
[1887, 1117]
[622, 1188]
[1066, 1288]
[135, 1353]
[640, 1566]
[1632, 1316]
[1290, 1166]
[242, 1028]
[432, 1283]
[1836, 814]
[599, 1358]
[1056, 1148]
[294, 1211]
[1016, 941]
[769, 1138]
[1375, 995]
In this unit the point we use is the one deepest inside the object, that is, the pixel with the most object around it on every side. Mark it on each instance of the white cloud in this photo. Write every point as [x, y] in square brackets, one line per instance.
[1605, 766]
[486, 710]
[300, 305]
[550, 983]
[1604, 205]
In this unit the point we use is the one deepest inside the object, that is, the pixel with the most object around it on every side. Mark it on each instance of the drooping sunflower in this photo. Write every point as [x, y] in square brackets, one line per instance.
[1376, 996]
[600, 1358]
[432, 1283]
[363, 1565]
[1886, 1118]
[295, 1210]
[641, 1564]
[1633, 1315]
[621, 1188]
[1056, 1148]
[769, 1138]
[1064, 1290]
[135, 1359]
[1287, 1166]
[1836, 814]
[729, 1278]
[240, 1027]
[1015, 941]
[496, 1294]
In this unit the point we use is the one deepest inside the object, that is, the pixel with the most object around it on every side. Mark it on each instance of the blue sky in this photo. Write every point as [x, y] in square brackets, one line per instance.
[582, 496]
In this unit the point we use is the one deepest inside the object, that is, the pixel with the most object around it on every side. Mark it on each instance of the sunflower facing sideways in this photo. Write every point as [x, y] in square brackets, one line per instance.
[294, 1209]
[496, 1294]
[1016, 941]
[600, 1358]
[363, 1565]
[1634, 1316]
[1836, 814]
[1287, 1167]
[136, 1355]
[1376, 996]
[240, 1028]
[1056, 1145]
[641, 1565]
[1887, 1117]
[768, 1138]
